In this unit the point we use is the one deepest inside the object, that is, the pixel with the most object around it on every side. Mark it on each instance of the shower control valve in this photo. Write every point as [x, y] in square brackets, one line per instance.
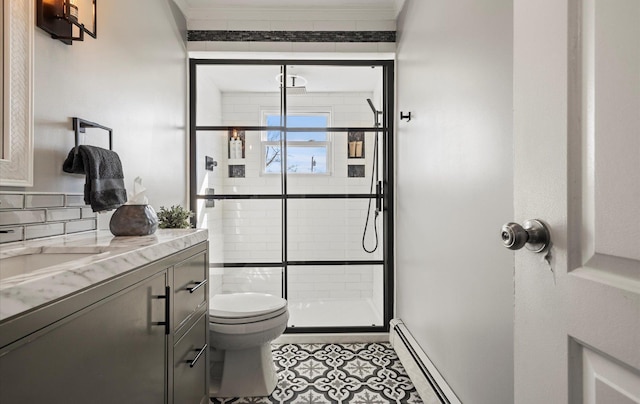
[533, 234]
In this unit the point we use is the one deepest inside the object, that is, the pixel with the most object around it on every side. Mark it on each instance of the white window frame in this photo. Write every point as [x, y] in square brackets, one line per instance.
[328, 144]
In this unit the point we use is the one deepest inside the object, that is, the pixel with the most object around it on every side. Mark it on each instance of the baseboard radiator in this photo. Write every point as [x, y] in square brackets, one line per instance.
[429, 383]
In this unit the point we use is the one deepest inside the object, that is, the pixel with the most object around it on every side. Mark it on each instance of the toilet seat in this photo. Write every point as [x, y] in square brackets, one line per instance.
[246, 319]
[248, 306]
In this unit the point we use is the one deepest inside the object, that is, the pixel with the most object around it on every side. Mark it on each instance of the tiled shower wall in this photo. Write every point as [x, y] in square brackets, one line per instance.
[320, 229]
[26, 216]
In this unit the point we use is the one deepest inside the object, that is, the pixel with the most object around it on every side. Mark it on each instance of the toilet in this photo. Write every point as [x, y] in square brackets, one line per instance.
[241, 328]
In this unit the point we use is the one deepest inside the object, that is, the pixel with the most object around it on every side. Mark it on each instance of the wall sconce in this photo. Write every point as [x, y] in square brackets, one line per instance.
[59, 17]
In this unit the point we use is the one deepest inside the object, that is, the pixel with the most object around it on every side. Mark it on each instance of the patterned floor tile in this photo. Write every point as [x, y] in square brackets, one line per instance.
[357, 373]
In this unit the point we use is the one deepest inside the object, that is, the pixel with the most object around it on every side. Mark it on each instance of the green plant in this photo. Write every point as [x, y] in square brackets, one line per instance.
[176, 217]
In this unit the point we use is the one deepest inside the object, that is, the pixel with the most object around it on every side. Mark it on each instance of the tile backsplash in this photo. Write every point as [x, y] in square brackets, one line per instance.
[25, 216]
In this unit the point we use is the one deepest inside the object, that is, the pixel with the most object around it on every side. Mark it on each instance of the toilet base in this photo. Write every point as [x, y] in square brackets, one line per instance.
[245, 373]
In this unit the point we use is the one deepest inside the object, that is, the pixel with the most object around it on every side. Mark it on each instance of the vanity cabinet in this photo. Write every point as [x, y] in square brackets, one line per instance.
[127, 340]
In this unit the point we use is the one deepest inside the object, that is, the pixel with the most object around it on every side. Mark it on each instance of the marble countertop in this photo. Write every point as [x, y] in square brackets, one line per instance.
[102, 256]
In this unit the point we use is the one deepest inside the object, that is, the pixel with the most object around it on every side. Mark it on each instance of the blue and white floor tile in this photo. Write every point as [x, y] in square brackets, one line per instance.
[357, 373]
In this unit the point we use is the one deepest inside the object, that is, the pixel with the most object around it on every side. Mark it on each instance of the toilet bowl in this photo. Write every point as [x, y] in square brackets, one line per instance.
[241, 328]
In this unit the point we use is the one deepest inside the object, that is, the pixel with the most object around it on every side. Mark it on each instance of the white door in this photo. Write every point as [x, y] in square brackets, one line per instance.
[577, 167]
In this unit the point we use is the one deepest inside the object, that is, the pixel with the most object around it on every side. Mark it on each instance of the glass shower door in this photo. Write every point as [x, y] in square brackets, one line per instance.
[291, 184]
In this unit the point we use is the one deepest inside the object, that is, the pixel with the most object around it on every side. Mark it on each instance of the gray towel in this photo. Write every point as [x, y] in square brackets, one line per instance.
[104, 185]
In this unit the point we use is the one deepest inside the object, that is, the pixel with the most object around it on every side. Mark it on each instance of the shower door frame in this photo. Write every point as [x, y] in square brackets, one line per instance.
[385, 131]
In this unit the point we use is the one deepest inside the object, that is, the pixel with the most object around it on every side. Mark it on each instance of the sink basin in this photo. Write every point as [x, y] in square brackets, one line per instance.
[27, 263]
[21, 264]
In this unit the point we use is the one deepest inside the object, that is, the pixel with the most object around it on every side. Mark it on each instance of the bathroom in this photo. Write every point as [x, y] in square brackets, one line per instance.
[451, 281]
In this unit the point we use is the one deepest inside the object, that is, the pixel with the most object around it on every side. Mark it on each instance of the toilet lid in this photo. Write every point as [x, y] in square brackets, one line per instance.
[239, 305]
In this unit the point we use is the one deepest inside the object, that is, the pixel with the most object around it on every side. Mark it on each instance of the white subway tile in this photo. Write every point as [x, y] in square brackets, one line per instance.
[80, 225]
[12, 234]
[54, 215]
[11, 201]
[44, 200]
[74, 200]
[44, 230]
[21, 217]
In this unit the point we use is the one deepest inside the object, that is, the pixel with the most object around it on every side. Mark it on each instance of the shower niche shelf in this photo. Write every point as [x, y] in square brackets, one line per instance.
[236, 144]
[355, 171]
[236, 156]
[355, 145]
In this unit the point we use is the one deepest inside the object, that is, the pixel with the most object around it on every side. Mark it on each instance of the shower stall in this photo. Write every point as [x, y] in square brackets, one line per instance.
[291, 173]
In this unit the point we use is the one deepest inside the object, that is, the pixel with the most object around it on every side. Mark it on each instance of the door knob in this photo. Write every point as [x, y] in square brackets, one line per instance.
[533, 234]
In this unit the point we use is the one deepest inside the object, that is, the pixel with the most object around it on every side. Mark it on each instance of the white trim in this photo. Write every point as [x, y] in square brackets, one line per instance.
[16, 169]
[414, 364]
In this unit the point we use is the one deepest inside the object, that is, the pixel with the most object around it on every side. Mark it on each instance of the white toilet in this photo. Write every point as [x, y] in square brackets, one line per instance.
[241, 328]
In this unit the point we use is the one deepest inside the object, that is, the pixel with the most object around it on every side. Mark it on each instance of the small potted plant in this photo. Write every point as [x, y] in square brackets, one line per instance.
[175, 217]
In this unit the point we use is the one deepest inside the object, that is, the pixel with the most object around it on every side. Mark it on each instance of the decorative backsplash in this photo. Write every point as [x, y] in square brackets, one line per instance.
[25, 216]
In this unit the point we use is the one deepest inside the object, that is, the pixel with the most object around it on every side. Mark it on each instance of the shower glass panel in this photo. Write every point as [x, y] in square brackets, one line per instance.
[331, 230]
[233, 94]
[248, 279]
[243, 230]
[344, 174]
[336, 296]
[290, 167]
[344, 94]
[229, 162]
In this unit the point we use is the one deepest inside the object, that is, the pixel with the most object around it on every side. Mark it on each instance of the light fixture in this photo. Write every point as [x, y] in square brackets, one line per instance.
[59, 17]
[300, 88]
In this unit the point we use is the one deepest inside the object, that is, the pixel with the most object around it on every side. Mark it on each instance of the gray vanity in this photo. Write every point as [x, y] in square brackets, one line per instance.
[94, 318]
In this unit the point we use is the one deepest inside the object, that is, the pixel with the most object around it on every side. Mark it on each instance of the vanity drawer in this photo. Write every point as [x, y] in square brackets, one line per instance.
[190, 279]
[191, 357]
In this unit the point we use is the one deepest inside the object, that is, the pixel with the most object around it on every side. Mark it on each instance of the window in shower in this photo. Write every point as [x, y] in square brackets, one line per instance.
[297, 222]
[307, 152]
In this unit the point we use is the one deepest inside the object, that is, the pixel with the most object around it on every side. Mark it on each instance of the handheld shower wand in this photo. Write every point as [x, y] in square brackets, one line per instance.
[374, 177]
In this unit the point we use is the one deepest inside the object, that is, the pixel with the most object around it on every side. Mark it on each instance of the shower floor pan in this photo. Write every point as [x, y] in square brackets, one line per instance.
[333, 313]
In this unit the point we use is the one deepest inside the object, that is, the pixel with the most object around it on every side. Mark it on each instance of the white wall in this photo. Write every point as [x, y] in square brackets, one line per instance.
[133, 79]
[454, 191]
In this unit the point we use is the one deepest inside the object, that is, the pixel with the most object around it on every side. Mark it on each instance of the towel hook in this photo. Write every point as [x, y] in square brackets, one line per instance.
[406, 116]
[80, 125]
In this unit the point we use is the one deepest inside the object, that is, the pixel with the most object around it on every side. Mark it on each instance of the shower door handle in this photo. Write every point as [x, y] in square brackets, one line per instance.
[379, 196]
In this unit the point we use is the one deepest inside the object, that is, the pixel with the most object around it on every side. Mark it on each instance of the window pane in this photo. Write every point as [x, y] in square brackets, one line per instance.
[300, 159]
[319, 120]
